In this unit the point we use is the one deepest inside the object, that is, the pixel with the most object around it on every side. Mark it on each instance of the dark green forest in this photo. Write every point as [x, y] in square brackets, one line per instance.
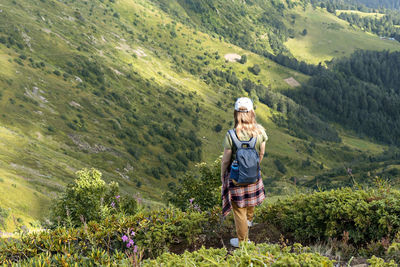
[390, 4]
[384, 27]
[361, 5]
[360, 92]
[296, 118]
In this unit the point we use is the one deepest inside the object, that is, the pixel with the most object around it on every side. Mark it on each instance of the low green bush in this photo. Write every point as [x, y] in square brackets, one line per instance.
[97, 257]
[360, 216]
[247, 255]
[90, 198]
[199, 189]
[378, 262]
[153, 232]
[355, 216]
[393, 252]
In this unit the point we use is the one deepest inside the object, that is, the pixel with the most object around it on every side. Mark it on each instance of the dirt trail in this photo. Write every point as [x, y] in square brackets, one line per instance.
[259, 233]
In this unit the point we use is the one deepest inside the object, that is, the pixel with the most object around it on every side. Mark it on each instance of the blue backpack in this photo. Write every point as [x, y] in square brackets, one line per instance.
[246, 168]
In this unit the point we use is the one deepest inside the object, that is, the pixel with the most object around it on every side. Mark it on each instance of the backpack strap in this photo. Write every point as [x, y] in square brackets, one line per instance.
[235, 140]
[251, 143]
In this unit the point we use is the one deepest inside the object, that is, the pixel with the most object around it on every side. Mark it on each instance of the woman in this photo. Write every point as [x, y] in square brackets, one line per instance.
[242, 199]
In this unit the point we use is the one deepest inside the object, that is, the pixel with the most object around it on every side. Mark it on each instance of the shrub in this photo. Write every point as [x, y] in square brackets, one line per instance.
[88, 198]
[135, 152]
[169, 148]
[182, 158]
[156, 173]
[365, 215]
[378, 262]
[152, 231]
[50, 128]
[96, 257]
[199, 187]
[218, 128]
[255, 69]
[279, 165]
[246, 255]
[243, 59]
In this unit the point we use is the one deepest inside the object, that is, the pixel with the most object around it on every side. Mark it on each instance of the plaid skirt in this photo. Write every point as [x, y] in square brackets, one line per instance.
[244, 196]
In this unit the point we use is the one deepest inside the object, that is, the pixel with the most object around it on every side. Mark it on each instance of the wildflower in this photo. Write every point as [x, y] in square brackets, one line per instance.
[130, 243]
[117, 197]
[197, 207]
[113, 204]
[133, 233]
[191, 200]
[135, 249]
[138, 198]
[125, 238]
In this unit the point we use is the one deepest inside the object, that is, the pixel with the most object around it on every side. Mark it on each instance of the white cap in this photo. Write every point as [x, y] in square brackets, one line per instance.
[244, 102]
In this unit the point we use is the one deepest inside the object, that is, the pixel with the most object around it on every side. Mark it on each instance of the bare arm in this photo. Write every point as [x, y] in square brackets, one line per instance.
[226, 160]
[262, 151]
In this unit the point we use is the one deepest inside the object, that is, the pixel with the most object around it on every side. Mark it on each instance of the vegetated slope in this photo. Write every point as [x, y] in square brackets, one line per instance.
[70, 100]
[390, 4]
[313, 34]
[307, 32]
[110, 88]
[329, 37]
[360, 14]
[361, 5]
[360, 92]
[122, 87]
[248, 24]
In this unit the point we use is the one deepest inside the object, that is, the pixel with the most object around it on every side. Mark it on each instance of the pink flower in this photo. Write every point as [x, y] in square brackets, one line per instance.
[113, 204]
[125, 238]
[117, 197]
[135, 249]
[130, 243]
[133, 233]
[191, 200]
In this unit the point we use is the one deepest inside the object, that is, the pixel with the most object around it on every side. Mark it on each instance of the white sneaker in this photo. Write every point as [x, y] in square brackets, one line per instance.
[235, 242]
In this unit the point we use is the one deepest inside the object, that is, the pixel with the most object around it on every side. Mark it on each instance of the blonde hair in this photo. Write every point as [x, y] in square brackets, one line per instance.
[246, 122]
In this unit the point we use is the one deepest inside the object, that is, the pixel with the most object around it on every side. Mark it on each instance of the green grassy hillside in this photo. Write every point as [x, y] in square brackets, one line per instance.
[360, 13]
[120, 86]
[390, 4]
[328, 37]
[277, 27]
